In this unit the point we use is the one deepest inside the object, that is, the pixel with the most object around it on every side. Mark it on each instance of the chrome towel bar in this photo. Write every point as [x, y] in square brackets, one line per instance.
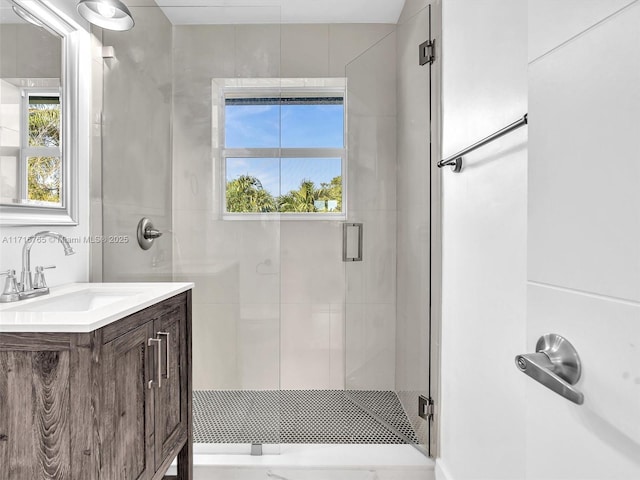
[455, 161]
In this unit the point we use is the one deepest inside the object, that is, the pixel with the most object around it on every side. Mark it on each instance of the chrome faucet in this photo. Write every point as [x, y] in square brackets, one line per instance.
[26, 279]
[28, 288]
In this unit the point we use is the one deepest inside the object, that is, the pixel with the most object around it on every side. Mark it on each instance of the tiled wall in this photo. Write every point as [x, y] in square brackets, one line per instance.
[95, 164]
[136, 146]
[584, 234]
[269, 297]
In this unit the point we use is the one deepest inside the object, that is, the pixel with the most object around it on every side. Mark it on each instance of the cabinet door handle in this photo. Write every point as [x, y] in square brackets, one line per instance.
[158, 344]
[166, 334]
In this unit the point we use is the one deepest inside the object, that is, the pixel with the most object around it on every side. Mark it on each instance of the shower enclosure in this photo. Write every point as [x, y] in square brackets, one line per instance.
[313, 325]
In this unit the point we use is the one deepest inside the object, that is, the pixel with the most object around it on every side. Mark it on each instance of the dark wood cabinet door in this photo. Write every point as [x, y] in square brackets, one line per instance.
[126, 413]
[34, 415]
[171, 409]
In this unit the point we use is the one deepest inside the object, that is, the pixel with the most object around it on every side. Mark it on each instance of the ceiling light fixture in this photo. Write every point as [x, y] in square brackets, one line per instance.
[26, 16]
[109, 14]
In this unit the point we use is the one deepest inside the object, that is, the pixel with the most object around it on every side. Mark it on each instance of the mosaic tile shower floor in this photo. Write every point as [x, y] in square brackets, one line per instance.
[299, 416]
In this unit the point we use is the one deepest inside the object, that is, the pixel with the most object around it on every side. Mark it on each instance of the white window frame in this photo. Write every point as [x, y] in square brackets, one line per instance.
[27, 151]
[279, 152]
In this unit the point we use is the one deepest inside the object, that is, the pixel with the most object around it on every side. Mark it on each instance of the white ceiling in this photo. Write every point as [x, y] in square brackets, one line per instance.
[202, 12]
[212, 12]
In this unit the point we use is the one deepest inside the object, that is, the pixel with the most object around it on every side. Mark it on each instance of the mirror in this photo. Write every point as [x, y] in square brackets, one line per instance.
[37, 99]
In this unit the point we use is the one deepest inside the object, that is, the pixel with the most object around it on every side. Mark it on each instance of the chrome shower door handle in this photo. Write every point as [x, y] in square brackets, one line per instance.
[556, 365]
[345, 242]
[166, 358]
[158, 344]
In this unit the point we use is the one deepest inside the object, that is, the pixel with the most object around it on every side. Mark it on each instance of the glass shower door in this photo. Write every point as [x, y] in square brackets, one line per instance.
[227, 236]
[387, 293]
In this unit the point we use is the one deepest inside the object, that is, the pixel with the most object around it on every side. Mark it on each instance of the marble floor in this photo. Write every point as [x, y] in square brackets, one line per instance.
[316, 462]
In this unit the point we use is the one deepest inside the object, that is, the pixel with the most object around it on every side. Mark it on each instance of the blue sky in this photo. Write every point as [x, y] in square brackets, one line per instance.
[284, 126]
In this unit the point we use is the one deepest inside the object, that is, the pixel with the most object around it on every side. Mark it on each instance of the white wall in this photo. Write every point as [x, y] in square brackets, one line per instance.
[582, 276]
[484, 241]
[584, 234]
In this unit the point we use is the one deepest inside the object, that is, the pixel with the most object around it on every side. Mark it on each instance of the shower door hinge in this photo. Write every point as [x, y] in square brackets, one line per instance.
[428, 52]
[426, 407]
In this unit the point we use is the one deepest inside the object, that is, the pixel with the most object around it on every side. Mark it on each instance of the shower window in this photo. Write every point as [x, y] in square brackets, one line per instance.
[283, 152]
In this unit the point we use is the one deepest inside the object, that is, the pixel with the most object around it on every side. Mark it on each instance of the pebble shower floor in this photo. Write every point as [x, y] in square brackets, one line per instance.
[299, 416]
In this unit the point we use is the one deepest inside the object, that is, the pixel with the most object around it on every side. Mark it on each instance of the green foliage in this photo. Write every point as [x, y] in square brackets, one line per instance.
[44, 172]
[301, 200]
[246, 194]
[44, 125]
[44, 179]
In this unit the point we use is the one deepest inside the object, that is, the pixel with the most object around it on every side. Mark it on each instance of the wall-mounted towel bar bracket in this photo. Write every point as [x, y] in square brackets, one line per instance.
[455, 161]
[556, 365]
[455, 164]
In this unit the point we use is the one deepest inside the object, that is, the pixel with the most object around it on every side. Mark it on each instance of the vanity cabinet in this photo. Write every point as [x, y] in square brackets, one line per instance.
[112, 404]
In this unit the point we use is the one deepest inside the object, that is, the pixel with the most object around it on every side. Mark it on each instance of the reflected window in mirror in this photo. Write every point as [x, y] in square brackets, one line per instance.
[41, 154]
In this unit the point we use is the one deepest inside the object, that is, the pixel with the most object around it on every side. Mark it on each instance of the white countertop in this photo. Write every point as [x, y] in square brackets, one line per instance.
[117, 300]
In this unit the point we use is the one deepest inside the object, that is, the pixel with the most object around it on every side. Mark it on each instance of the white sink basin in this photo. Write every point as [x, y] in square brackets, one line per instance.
[84, 307]
[81, 301]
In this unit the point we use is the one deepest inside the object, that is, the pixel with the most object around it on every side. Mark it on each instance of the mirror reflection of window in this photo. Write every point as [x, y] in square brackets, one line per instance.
[41, 154]
[31, 169]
